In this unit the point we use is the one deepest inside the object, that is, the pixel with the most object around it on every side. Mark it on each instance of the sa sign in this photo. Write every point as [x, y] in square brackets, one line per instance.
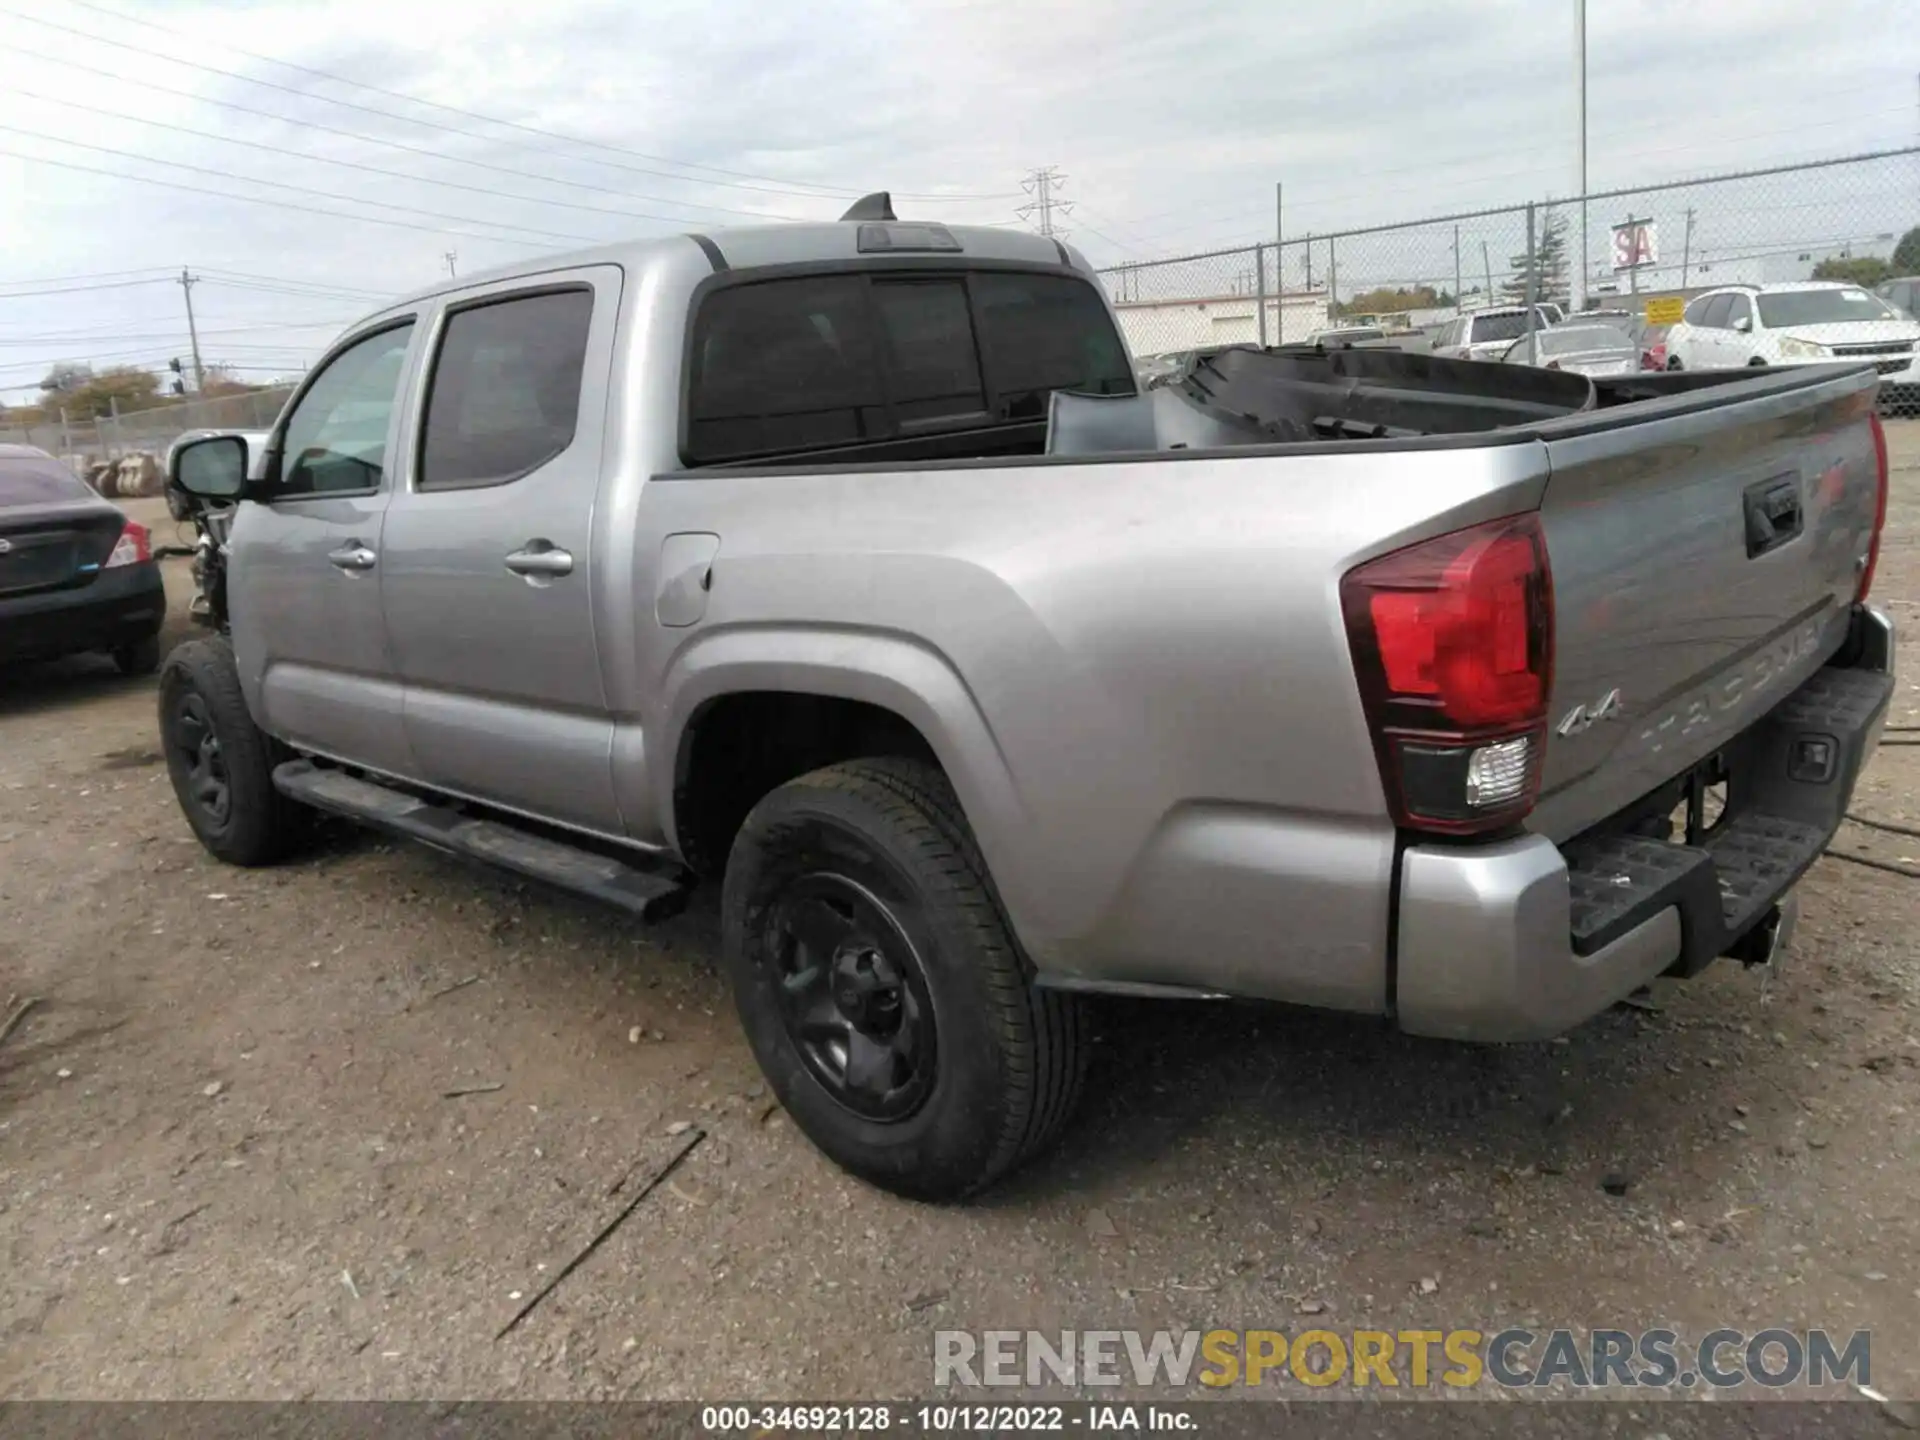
[1635, 244]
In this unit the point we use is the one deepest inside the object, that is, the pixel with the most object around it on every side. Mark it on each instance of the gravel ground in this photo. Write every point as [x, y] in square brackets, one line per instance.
[229, 1165]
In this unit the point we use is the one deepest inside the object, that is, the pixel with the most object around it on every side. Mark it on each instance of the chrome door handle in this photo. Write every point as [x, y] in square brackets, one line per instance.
[540, 559]
[352, 556]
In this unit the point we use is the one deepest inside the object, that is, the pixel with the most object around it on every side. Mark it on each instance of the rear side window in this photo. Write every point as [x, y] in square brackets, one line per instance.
[1716, 313]
[505, 393]
[38, 479]
[1696, 312]
[786, 365]
[814, 362]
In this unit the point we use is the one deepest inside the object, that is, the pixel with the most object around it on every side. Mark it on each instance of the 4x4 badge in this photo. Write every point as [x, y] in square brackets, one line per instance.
[1584, 717]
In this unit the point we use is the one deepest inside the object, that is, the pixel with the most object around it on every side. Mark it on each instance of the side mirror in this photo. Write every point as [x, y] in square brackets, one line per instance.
[213, 468]
[1744, 324]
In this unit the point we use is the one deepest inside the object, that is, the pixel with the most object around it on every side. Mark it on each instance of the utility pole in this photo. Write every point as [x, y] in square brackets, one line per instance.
[450, 256]
[1486, 265]
[1309, 260]
[1044, 184]
[1686, 249]
[1279, 265]
[187, 282]
[1456, 270]
[1580, 47]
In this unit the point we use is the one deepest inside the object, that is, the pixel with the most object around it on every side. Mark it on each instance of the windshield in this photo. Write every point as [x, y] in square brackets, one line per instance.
[1499, 327]
[1822, 307]
[36, 479]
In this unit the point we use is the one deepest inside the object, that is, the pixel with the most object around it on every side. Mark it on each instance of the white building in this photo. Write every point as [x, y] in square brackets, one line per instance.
[1160, 327]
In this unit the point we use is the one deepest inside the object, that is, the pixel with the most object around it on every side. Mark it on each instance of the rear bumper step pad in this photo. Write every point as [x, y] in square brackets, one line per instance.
[648, 894]
[1777, 822]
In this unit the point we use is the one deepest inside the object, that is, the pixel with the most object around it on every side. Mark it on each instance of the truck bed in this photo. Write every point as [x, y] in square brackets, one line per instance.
[1294, 394]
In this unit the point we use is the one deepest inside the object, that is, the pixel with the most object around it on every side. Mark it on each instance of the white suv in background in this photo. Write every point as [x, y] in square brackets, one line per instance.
[1813, 322]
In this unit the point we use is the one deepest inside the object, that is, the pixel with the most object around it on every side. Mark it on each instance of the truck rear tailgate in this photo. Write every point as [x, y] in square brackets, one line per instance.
[1706, 549]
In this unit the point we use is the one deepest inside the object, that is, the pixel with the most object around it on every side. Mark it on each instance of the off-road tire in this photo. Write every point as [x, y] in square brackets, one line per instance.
[1009, 1057]
[257, 825]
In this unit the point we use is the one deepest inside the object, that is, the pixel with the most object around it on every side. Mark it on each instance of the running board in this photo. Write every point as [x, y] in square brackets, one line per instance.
[647, 894]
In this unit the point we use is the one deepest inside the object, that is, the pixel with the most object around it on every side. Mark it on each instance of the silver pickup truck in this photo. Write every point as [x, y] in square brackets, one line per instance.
[841, 564]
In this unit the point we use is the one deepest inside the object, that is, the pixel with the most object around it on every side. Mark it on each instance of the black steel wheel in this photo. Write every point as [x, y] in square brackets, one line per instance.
[853, 995]
[193, 743]
[220, 762]
[881, 987]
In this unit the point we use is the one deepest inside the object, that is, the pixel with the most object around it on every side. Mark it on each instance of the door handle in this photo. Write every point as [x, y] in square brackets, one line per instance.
[352, 556]
[540, 559]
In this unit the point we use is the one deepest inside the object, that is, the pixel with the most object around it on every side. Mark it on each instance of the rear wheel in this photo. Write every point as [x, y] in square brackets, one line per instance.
[220, 762]
[880, 987]
[1673, 363]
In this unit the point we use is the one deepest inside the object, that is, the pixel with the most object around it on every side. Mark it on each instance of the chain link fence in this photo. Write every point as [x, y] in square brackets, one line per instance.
[86, 441]
[1633, 260]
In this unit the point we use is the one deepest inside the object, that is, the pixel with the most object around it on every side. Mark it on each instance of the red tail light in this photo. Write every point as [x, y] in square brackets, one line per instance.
[1879, 506]
[1453, 643]
[134, 546]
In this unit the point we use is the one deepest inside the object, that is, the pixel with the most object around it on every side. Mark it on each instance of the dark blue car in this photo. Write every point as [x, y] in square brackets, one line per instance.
[75, 573]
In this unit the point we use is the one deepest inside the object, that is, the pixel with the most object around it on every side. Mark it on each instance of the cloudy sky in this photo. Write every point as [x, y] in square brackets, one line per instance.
[306, 160]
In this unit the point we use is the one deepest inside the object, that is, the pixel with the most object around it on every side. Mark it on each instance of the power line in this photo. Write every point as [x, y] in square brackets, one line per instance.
[779, 188]
[77, 289]
[379, 170]
[297, 189]
[401, 145]
[101, 275]
[244, 199]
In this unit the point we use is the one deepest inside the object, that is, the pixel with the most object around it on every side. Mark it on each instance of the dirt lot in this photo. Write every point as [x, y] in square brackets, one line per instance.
[228, 1166]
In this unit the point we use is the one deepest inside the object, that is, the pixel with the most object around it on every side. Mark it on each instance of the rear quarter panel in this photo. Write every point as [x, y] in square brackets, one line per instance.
[1135, 673]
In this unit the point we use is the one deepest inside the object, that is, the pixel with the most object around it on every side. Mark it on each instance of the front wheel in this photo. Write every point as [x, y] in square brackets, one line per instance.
[220, 762]
[881, 989]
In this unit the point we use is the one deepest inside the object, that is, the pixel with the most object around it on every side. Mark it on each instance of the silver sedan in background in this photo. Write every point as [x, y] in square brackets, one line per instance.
[1584, 349]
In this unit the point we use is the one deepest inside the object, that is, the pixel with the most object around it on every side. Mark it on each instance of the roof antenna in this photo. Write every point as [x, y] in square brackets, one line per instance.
[877, 206]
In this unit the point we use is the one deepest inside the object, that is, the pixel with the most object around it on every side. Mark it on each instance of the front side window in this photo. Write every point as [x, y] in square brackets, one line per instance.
[505, 394]
[335, 440]
[1739, 308]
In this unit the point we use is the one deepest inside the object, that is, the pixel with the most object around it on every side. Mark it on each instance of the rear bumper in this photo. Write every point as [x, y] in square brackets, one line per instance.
[118, 607]
[1523, 939]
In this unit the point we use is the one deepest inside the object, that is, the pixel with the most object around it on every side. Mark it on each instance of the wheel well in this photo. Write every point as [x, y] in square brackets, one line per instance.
[738, 747]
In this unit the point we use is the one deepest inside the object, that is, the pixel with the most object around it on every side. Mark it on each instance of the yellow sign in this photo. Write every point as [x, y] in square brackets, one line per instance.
[1666, 311]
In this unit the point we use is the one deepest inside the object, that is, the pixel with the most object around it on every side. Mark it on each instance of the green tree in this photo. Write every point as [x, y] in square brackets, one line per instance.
[1392, 299]
[123, 387]
[65, 378]
[1547, 264]
[1868, 270]
[1906, 255]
